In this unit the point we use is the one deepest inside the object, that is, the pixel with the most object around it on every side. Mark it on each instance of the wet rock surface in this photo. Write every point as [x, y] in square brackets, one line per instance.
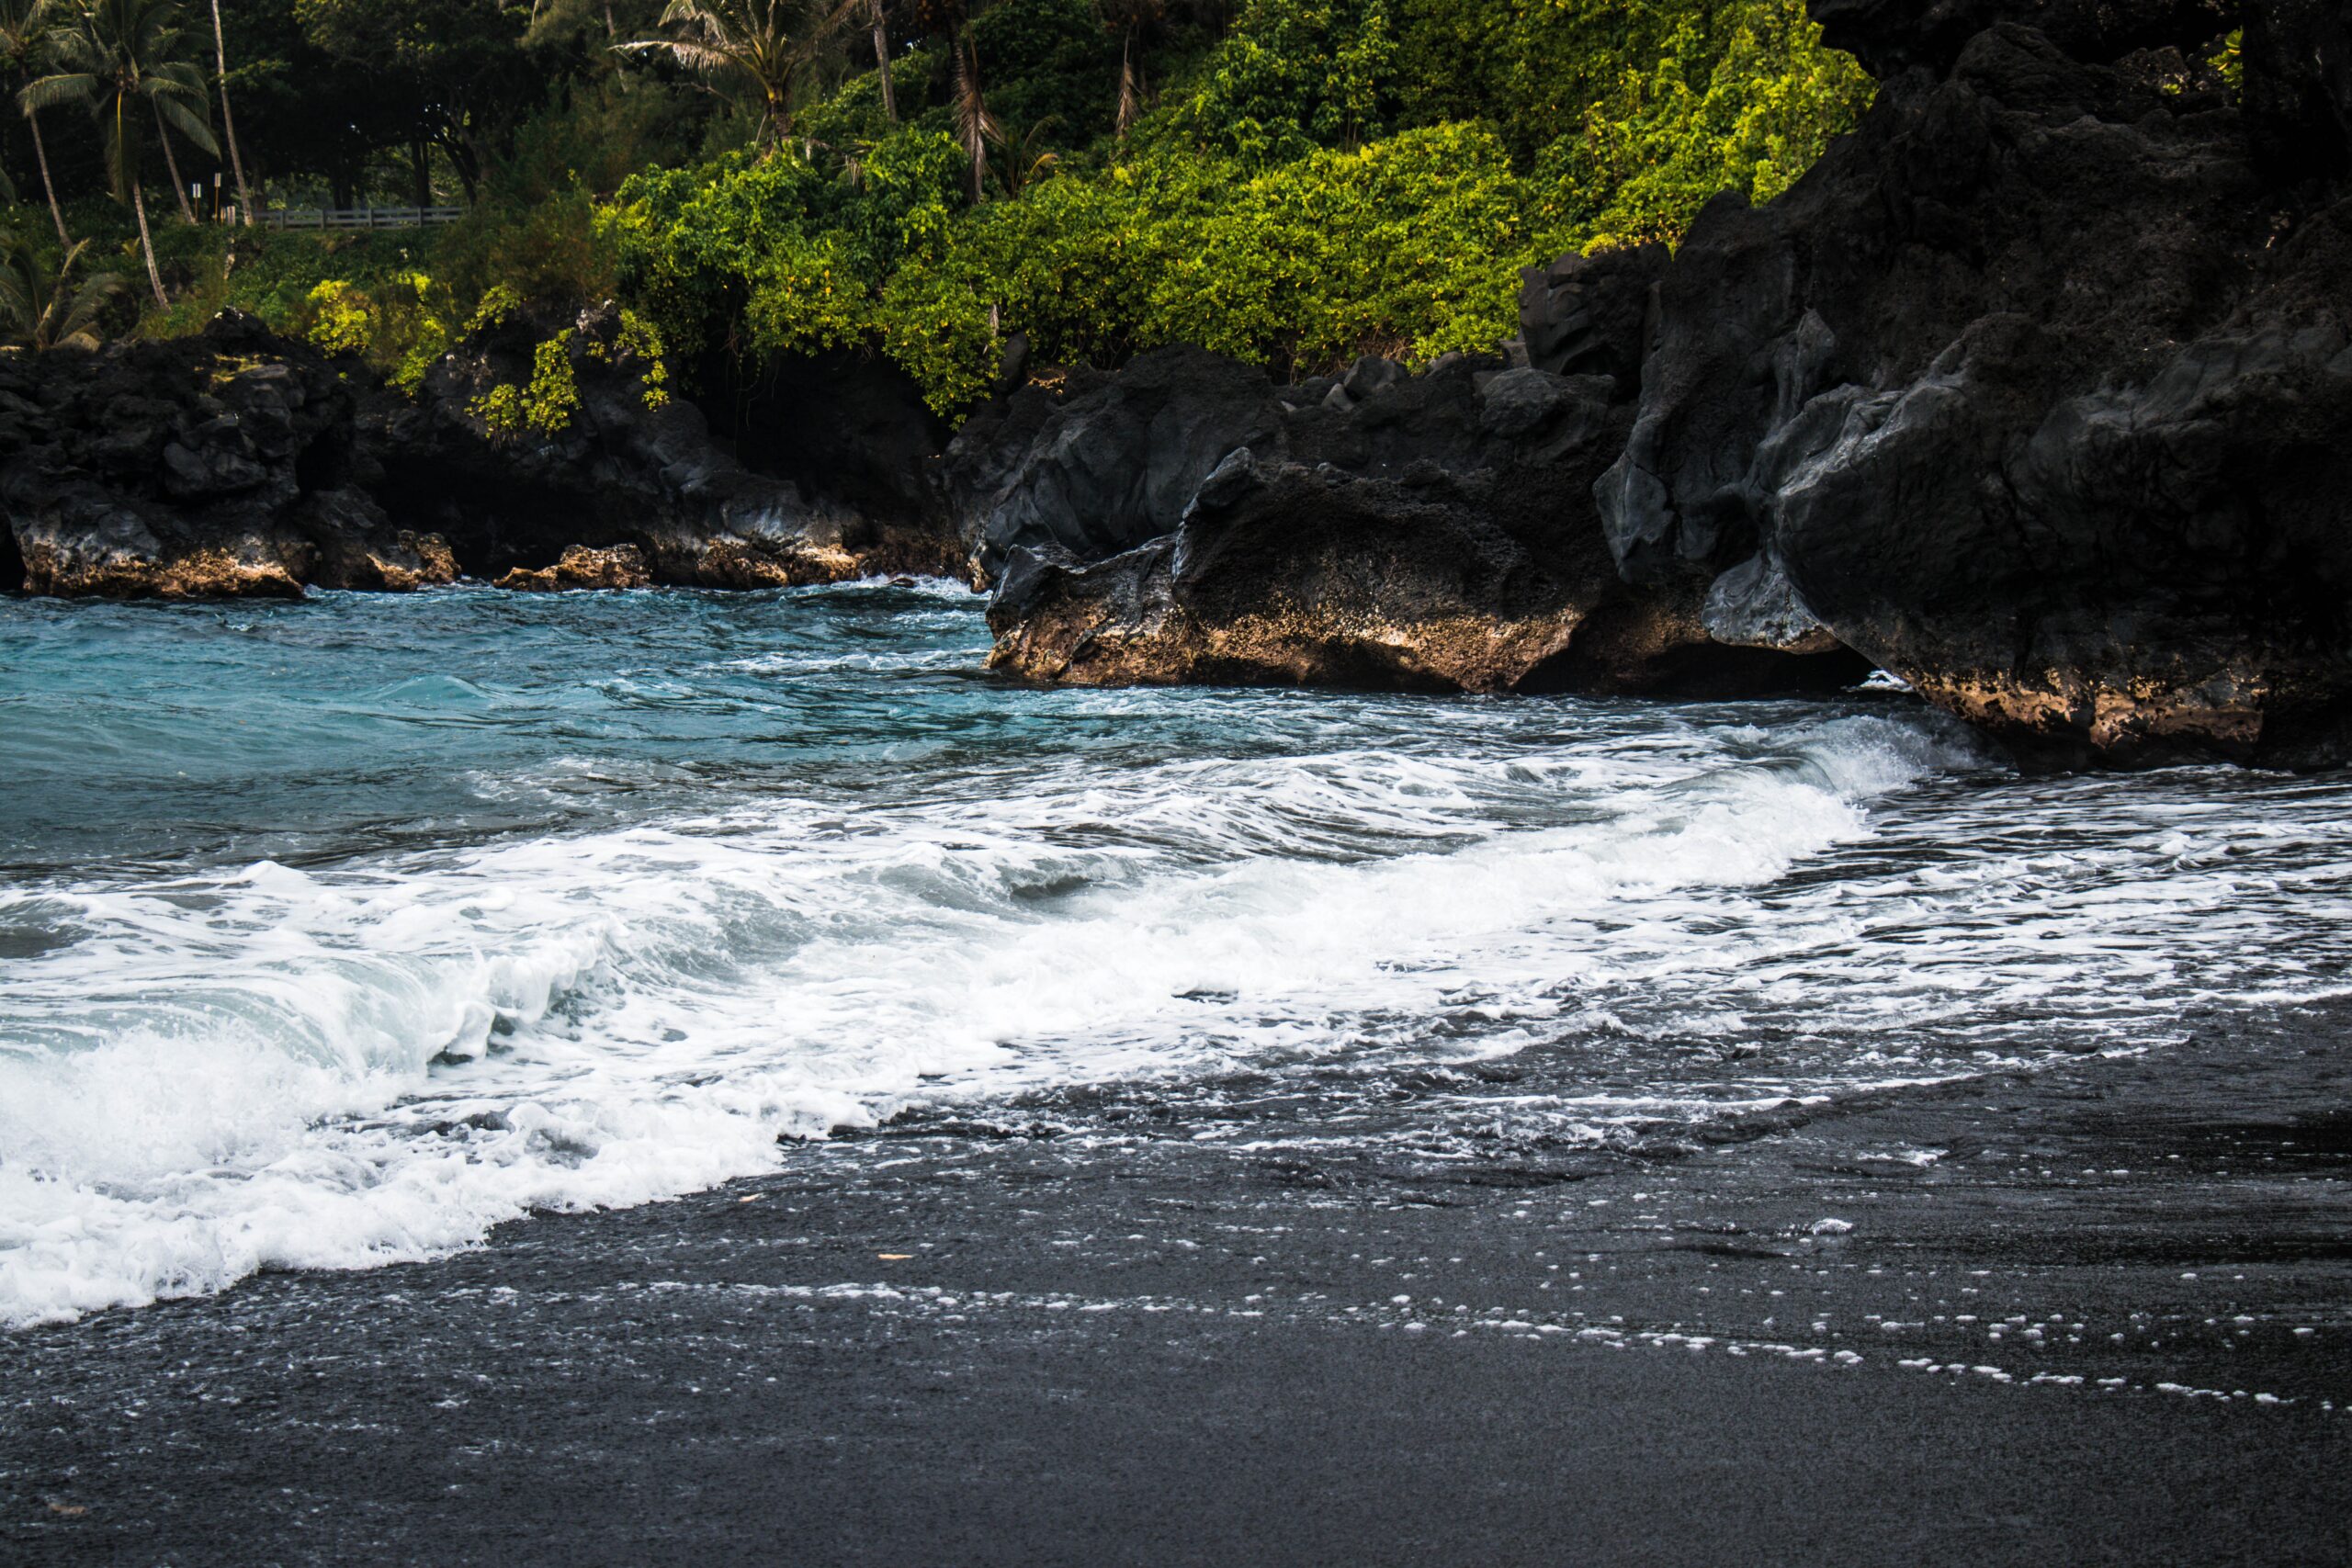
[236, 462]
[1187, 521]
[2033, 391]
[620, 565]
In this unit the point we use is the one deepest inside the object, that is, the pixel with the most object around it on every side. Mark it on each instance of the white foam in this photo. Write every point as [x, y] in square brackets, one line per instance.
[278, 1068]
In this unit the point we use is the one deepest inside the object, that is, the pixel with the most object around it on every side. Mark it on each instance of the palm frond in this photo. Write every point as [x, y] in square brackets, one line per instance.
[69, 87]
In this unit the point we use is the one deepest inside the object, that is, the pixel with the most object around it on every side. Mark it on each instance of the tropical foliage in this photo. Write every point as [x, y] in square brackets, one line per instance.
[1288, 209]
[1296, 182]
[45, 306]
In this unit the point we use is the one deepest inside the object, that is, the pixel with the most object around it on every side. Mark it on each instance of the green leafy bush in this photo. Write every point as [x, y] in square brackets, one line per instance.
[546, 405]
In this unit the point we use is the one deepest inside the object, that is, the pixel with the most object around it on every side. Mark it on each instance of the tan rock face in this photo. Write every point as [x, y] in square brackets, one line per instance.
[618, 566]
[1080, 644]
[212, 573]
[2143, 716]
[739, 563]
[411, 561]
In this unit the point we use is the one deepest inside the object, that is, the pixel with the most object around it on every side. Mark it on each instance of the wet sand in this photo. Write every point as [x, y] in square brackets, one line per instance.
[2097, 1313]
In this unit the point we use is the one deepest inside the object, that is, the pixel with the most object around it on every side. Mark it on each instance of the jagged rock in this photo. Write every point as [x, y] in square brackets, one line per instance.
[618, 566]
[1755, 606]
[1437, 535]
[627, 469]
[1890, 37]
[2034, 390]
[1590, 315]
[215, 466]
[238, 463]
[1100, 464]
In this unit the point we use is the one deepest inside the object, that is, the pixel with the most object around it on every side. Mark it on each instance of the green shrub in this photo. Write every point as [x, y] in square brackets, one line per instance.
[544, 407]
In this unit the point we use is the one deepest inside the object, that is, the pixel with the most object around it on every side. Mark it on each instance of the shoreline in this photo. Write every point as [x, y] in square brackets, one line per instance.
[957, 1342]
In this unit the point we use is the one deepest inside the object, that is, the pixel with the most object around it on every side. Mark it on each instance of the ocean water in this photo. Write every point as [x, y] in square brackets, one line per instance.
[337, 932]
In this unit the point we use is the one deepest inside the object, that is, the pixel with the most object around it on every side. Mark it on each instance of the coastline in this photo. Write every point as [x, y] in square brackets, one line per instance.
[1104, 1329]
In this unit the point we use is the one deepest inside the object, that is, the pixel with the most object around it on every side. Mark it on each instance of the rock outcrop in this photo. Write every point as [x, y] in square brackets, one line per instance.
[215, 466]
[618, 566]
[236, 462]
[627, 465]
[2037, 390]
[1186, 520]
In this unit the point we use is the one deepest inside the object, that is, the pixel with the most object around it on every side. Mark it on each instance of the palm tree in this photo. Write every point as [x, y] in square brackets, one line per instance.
[1024, 164]
[26, 30]
[975, 127]
[766, 43]
[172, 167]
[1129, 19]
[43, 308]
[874, 16]
[229, 121]
[126, 54]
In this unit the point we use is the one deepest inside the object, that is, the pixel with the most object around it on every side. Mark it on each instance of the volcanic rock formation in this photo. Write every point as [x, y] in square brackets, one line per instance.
[237, 462]
[2038, 390]
[215, 466]
[626, 466]
[1185, 520]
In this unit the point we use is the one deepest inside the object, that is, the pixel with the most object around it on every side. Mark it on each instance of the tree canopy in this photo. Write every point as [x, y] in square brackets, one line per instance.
[1296, 182]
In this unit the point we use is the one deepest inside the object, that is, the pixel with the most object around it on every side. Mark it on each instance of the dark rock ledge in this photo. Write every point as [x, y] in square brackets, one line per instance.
[237, 463]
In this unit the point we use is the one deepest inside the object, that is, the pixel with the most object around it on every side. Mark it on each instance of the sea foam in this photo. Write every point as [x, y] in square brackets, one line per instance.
[206, 1070]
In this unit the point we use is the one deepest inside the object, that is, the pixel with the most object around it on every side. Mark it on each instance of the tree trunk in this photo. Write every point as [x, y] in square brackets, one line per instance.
[147, 245]
[55, 212]
[882, 62]
[179, 187]
[228, 122]
[421, 160]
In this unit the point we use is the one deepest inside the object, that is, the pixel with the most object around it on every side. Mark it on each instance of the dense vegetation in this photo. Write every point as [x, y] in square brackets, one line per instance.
[1292, 181]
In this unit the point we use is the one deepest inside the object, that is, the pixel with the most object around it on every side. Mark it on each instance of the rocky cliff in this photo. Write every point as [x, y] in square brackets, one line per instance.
[215, 466]
[1186, 520]
[236, 462]
[2037, 390]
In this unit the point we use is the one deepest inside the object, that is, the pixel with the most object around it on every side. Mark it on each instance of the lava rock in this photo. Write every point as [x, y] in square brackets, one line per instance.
[1090, 465]
[620, 566]
[209, 467]
[2033, 391]
[238, 463]
[629, 466]
[1434, 532]
[1590, 315]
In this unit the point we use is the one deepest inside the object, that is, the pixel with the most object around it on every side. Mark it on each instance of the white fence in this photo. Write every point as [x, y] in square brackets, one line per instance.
[359, 217]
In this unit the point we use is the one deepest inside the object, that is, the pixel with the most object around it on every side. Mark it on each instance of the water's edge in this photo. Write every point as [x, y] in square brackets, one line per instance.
[336, 933]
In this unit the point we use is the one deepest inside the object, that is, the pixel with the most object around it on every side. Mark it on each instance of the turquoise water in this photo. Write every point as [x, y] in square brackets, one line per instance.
[337, 932]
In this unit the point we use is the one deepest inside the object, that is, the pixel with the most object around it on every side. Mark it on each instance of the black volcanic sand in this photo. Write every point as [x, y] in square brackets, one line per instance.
[2102, 1311]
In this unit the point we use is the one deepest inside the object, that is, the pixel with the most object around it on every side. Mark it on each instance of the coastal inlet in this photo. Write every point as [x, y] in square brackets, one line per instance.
[337, 932]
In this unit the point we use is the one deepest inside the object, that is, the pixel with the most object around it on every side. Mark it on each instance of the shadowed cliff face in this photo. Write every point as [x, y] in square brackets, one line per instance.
[2034, 391]
[238, 463]
[1183, 520]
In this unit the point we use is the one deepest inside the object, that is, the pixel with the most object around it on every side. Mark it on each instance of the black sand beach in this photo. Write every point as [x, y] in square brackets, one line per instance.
[2102, 1312]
